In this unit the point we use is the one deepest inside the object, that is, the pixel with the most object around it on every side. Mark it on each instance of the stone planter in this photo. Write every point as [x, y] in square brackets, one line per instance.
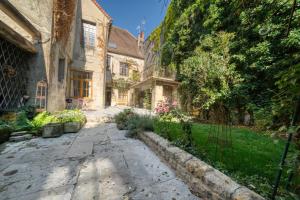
[72, 127]
[4, 134]
[53, 130]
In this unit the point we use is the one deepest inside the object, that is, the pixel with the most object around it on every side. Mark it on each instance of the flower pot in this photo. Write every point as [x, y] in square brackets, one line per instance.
[53, 130]
[72, 127]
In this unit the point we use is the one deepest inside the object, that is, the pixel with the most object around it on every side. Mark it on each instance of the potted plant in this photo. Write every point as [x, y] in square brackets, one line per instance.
[73, 120]
[53, 130]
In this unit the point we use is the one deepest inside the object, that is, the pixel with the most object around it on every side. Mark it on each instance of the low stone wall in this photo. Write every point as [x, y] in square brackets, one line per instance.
[202, 179]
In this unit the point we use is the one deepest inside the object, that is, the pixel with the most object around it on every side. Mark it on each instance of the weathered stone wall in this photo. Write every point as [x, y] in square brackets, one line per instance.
[44, 64]
[203, 180]
[115, 70]
[39, 14]
[92, 59]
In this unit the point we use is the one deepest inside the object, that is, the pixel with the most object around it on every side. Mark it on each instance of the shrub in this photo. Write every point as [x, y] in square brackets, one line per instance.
[43, 119]
[65, 116]
[5, 130]
[137, 124]
[263, 118]
[29, 110]
[22, 123]
[70, 116]
[122, 118]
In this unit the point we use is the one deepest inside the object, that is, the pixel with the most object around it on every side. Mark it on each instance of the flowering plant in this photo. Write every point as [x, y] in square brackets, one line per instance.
[165, 107]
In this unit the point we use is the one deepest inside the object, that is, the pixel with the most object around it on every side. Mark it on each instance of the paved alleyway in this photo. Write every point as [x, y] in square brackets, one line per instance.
[96, 163]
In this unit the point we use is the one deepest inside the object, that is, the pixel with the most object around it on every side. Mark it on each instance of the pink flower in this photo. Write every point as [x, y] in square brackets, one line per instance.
[174, 104]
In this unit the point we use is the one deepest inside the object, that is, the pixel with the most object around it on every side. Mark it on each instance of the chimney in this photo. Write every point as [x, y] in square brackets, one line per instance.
[141, 39]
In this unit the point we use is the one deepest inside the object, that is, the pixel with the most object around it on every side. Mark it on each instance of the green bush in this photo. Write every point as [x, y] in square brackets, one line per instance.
[29, 110]
[137, 124]
[262, 118]
[65, 116]
[5, 130]
[22, 123]
[70, 116]
[42, 119]
[122, 118]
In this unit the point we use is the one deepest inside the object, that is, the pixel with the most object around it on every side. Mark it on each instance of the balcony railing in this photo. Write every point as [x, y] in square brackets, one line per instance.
[154, 71]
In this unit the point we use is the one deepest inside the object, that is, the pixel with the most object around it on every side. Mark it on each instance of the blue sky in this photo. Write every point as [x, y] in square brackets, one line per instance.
[129, 14]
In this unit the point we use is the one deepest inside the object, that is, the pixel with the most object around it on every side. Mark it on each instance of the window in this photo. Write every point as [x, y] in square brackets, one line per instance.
[108, 61]
[124, 69]
[61, 70]
[89, 35]
[122, 95]
[81, 84]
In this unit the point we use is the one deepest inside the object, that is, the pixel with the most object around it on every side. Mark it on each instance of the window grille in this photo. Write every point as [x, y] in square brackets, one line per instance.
[124, 69]
[13, 82]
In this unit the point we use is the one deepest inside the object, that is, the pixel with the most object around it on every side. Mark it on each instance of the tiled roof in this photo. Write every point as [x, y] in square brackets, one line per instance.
[101, 9]
[123, 42]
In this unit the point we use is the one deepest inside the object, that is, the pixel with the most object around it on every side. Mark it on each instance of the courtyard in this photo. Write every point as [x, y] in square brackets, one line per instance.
[99, 162]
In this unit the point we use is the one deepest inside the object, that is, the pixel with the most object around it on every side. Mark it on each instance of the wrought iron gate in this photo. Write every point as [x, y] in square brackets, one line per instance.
[13, 70]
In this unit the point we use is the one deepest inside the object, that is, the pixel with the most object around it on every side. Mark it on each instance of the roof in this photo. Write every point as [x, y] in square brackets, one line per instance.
[101, 9]
[123, 42]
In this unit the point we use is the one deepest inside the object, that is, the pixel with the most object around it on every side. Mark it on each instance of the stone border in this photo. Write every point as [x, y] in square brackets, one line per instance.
[202, 179]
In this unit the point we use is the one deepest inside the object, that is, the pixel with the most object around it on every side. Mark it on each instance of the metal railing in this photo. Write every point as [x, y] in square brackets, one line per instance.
[154, 71]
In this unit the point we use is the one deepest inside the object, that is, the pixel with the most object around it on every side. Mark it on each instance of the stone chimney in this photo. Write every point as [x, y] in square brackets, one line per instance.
[141, 39]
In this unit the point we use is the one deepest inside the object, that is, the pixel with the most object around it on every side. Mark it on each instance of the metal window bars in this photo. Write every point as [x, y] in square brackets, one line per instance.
[13, 67]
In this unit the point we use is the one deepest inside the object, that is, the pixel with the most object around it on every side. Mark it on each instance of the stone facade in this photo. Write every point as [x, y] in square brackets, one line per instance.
[91, 60]
[30, 25]
[135, 66]
[203, 180]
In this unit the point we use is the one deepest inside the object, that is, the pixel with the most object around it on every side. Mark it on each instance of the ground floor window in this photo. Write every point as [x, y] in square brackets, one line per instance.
[81, 84]
[122, 95]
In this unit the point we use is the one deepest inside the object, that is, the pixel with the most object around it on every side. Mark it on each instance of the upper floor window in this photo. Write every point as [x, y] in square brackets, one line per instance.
[124, 69]
[89, 35]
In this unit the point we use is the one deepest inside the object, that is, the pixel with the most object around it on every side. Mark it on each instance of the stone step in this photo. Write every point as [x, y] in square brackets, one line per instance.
[20, 138]
[19, 133]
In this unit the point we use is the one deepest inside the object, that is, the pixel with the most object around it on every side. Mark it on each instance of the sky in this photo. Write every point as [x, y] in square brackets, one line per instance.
[129, 14]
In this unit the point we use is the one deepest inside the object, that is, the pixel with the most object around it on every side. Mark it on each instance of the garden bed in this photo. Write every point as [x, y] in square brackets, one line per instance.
[67, 120]
[250, 158]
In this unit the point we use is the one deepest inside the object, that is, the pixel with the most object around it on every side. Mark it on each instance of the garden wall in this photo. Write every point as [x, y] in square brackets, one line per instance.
[202, 179]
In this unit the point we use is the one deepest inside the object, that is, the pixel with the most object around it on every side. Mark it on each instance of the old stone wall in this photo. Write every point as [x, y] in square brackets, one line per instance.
[135, 64]
[203, 180]
[92, 60]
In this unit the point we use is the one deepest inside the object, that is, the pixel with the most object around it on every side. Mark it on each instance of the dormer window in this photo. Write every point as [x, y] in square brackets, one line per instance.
[112, 45]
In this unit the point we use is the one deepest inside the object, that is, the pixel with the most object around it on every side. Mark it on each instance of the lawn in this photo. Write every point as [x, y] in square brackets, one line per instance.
[252, 159]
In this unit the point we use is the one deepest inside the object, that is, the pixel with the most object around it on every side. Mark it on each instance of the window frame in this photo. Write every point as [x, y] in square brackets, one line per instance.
[90, 26]
[61, 70]
[126, 95]
[81, 84]
[121, 70]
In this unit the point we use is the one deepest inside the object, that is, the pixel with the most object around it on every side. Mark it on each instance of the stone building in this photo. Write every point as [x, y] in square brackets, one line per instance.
[125, 62]
[52, 50]
[157, 83]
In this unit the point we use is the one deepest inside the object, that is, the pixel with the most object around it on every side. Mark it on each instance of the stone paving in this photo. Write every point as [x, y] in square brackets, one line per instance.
[99, 162]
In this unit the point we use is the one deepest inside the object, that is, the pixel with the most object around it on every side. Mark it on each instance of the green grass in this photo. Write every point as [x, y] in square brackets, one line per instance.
[252, 159]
